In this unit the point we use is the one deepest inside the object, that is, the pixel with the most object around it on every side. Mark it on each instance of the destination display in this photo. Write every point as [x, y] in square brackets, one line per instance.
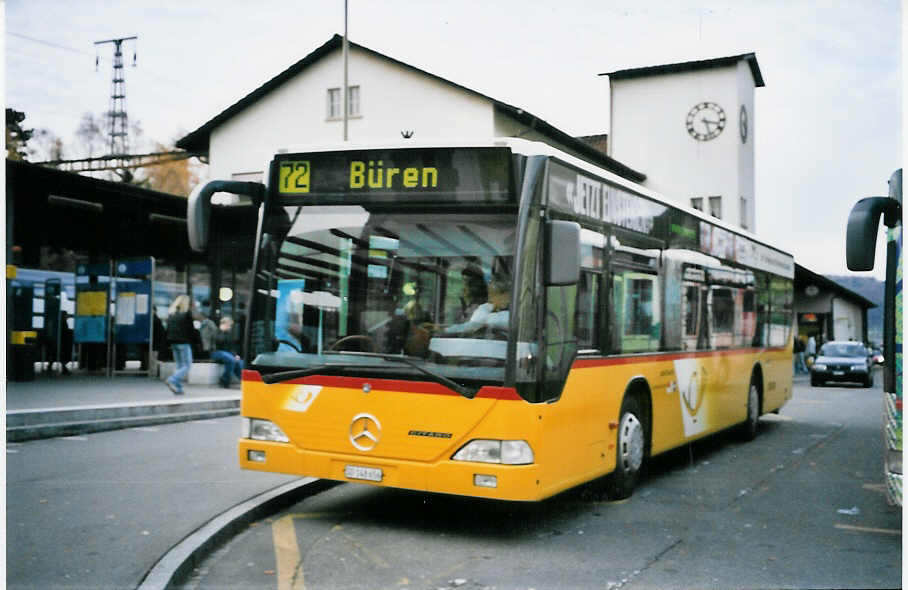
[580, 194]
[442, 175]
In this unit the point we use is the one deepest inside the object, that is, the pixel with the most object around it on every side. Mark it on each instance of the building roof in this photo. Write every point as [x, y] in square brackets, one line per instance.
[198, 140]
[805, 277]
[690, 66]
[60, 209]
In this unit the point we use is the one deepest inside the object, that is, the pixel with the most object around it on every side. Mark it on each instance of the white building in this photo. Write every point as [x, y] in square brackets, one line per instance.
[388, 99]
[690, 127]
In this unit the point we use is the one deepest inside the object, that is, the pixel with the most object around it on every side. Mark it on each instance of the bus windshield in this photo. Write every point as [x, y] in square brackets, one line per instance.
[334, 280]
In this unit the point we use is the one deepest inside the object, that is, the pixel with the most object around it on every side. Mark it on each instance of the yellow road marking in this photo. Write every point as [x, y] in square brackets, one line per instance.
[287, 556]
[867, 529]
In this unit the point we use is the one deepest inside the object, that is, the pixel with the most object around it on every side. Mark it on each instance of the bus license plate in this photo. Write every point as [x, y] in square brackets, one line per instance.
[366, 473]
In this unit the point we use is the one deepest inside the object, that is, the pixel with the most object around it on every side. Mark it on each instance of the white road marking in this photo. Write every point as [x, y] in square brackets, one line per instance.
[867, 529]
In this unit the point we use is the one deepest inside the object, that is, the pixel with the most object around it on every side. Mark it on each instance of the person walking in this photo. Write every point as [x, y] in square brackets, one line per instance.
[179, 336]
[811, 349]
[800, 365]
[224, 352]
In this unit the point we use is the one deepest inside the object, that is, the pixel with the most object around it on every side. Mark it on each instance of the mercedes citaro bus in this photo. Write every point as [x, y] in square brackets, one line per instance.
[496, 319]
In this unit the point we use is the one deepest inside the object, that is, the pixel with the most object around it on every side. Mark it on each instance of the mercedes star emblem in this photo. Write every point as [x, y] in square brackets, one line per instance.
[365, 431]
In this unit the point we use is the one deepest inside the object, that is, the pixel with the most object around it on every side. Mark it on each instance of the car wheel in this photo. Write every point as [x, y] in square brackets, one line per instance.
[631, 450]
[868, 381]
[814, 382]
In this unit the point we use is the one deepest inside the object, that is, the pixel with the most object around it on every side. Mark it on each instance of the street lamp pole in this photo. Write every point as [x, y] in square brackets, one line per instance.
[346, 98]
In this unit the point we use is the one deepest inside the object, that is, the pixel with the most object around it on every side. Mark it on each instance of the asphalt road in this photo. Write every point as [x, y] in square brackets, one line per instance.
[802, 506]
[97, 511]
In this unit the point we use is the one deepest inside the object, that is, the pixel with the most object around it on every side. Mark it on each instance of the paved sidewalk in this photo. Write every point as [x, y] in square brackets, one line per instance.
[59, 391]
[55, 405]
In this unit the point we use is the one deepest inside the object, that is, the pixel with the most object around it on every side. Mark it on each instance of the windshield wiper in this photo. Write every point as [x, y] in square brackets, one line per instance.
[281, 376]
[292, 374]
[461, 389]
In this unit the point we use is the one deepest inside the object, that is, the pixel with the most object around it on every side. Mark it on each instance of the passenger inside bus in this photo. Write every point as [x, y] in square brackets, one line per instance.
[475, 291]
[492, 314]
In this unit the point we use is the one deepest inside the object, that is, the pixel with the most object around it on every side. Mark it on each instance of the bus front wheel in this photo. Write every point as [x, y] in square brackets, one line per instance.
[631, 450]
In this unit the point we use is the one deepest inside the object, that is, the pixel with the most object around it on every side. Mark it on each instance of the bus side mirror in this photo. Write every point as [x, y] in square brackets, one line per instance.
[198, 207]
[562, 253]
[863, 225]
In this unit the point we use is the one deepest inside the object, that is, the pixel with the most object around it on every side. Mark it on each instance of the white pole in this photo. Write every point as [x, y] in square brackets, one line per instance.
[345, 70]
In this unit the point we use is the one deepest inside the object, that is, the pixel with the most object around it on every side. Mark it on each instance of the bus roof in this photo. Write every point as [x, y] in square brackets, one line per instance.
[533, 148]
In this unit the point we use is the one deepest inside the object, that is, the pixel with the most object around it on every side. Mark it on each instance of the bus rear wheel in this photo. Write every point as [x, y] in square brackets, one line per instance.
[631, 451]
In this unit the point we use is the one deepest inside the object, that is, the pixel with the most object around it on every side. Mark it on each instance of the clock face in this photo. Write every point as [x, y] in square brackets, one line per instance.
[742, 121]
[705, 121]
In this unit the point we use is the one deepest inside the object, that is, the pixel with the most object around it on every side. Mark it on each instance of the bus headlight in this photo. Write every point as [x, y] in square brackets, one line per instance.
[257, 429]
[507, 452]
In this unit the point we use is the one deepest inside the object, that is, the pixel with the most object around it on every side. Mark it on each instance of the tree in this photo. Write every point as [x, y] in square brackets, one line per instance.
[16, 136]
[90, 134]
[177, 177]
[45, 146]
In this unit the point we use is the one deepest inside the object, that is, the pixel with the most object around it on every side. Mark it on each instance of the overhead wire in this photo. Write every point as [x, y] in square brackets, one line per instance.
[48, 43]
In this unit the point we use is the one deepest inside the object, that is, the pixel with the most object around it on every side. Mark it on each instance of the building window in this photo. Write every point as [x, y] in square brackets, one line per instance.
[335, 106]
[715, 207]
[697, 203]
[744, 213]
[334, 103]
[353, 101]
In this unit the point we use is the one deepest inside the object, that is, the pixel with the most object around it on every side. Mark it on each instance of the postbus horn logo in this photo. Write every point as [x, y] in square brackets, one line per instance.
[693, 395]
[365, 431]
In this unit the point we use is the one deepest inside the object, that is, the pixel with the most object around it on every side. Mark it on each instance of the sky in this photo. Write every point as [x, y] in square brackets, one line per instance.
[827, 125]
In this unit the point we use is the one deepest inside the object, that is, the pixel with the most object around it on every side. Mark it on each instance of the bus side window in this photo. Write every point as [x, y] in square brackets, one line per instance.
[761, 310]
[748, 317]
[723, 316]
[780, 311]
[587, 325]
[560, 336]
[691, 315]
[636, 310]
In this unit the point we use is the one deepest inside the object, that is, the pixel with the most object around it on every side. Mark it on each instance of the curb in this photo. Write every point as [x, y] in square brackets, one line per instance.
[24, 425]
[177, 563]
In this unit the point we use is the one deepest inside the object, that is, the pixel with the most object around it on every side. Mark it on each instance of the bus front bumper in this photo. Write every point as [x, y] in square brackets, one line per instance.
[486, 480]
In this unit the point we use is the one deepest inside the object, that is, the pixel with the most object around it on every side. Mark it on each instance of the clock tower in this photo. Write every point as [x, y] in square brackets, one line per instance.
[689, 128]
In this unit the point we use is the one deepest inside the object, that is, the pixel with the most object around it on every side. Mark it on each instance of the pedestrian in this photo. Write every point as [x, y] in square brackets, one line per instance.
[208, 332]
[811, 348]
[225, 352]
[799, 347]
[66, 342]
[179, 336]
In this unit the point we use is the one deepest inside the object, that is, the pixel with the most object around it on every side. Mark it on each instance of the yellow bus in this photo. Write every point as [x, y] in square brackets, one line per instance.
[496, 319]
